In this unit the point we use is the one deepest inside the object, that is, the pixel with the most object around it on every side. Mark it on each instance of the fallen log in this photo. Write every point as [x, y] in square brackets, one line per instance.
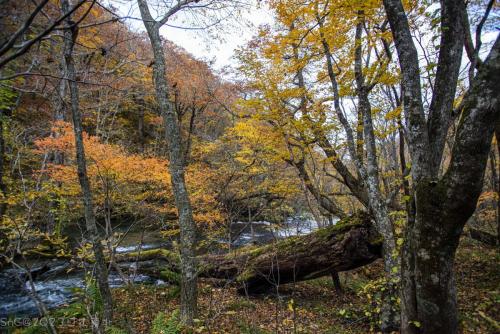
[349, 244]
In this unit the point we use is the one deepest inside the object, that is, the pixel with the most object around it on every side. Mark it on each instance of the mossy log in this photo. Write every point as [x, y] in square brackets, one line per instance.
[349, 244]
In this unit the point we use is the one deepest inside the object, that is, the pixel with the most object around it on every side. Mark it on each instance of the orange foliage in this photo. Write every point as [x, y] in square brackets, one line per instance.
[132, 182]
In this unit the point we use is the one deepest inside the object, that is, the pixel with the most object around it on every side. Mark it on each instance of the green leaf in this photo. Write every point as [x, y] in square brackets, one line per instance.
[416, 323]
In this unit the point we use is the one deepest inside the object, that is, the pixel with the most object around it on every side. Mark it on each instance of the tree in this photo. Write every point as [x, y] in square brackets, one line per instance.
[177, 162]
[9, 50]
[128, 184]
[101, 272]
[298, 92]
[443, 202]
[177, 146]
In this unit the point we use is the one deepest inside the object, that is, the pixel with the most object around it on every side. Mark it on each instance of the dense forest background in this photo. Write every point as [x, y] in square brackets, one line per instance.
[381, 114]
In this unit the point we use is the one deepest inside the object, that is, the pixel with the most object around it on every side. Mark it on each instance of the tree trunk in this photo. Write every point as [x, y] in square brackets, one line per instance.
[140, 130]
[429, 302]
[336, 282]
[443, 207]
[59, 105]
[389, 314]
[3, 186]
[442, 204]
[484, 236]
[497, 136]
[70, 35]
[176, 166]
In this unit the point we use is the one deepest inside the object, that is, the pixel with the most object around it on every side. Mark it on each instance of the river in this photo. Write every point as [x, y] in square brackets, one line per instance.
[56, 286]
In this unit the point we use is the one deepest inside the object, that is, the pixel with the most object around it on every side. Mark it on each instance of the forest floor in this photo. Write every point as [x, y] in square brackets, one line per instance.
[314, 306]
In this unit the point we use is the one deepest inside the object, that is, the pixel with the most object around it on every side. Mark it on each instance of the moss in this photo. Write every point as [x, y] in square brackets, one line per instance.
[50, 247]
[170, 276]
[303, 243]
[204, 267]
[170, 256]
[257, 251]
[245, 275]
[431, 194]
[357, 219]
[377, 241]
[289, 244]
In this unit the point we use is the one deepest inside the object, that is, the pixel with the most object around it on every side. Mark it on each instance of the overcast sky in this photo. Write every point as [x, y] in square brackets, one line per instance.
[197, 42]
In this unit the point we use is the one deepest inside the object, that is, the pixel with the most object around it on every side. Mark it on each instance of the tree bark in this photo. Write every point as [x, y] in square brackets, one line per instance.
[495, 184]
[176, 167]
[417, 134]
[70, 35]
[443, 207]
[389, 318]
[3, 185]
[450, 58]
[336, 282]
[497, 136]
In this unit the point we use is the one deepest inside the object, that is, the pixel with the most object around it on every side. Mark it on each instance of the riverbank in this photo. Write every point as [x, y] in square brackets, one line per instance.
[55, 279]
[312, 306]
